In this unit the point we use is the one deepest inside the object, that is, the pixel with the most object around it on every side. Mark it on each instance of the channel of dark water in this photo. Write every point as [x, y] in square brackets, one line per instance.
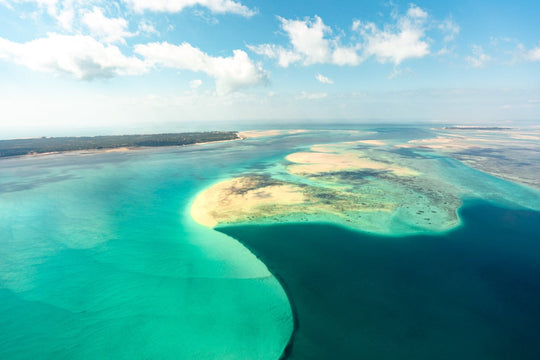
[472, 293]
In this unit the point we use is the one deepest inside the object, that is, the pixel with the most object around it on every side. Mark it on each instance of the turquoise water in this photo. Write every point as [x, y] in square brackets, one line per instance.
[99, 257]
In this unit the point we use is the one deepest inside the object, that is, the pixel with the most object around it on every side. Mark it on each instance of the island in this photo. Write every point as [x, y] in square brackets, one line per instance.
[30, 146]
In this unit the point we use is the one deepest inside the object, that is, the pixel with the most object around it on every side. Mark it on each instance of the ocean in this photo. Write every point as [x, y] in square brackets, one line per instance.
[100, 258]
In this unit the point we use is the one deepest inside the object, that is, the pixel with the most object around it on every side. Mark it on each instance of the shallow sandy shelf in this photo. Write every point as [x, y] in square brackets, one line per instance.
[508, 154]
[265, 133]
[375, 194]
[313, 162]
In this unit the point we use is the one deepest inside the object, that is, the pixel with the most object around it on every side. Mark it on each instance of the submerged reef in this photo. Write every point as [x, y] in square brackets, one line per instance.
[359, 184]
[510, 154]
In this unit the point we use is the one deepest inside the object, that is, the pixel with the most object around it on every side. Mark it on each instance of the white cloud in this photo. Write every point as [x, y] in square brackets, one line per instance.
[63, 11]
[323, 79]
[443, 51]
[173, 6]
[395, 73]
[533, 54]
[49, 5]
[450, 29]
[230, 73]
[478, 57]
[312, 41]
[396, 42]
[345, 56]
[284, 57]
[416, 12]
[146, 27]
[80, 56]
[310, 45]
[65, 17]
[109, 30]
[195, 84]
[208, 18]
[528, 55]
[304, 95]
[307, 39]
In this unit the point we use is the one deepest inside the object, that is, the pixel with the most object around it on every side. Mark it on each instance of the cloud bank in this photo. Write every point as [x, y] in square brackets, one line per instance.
[478, 58]
[312, 42]
[174, 6]
[323, 79]
[80, 56]
[396, 42]
[231, 73]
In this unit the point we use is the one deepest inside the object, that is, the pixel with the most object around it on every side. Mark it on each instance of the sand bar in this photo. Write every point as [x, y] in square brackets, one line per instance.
[264, 133]
[239, 198]
[310, 163]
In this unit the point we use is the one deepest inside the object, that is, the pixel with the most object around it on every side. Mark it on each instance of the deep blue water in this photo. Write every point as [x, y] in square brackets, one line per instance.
[473, 293]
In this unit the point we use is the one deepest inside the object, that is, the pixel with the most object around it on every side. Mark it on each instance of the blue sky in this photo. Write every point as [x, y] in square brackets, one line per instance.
[93, 66]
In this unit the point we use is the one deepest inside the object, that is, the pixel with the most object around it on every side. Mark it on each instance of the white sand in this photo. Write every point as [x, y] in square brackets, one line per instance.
[310, 163]
[264, 133]
[235, 199]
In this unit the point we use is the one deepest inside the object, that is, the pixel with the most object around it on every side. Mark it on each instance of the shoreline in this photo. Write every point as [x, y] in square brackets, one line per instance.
[120, 149]
[288, 293]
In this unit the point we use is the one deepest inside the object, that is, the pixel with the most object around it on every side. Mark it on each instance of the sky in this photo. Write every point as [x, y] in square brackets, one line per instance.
[74, 67]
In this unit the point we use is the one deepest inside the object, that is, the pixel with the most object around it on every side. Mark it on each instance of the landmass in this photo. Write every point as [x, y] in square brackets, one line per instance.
[43, 145]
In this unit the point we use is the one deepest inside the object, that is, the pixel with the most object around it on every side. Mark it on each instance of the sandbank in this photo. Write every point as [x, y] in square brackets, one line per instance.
[264, 133]
[525, 137]
[310, 163]
[237, 199]
[120, 149]
[371, 142]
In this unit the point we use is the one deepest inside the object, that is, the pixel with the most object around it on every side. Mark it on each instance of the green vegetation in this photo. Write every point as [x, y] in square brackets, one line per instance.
[56, 144]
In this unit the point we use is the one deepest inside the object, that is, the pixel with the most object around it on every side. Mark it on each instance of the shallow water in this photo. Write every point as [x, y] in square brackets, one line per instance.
[100, 259]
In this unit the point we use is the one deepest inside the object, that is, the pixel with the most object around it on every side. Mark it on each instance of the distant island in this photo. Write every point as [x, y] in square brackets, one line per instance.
[475, 128]
[17, 147]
